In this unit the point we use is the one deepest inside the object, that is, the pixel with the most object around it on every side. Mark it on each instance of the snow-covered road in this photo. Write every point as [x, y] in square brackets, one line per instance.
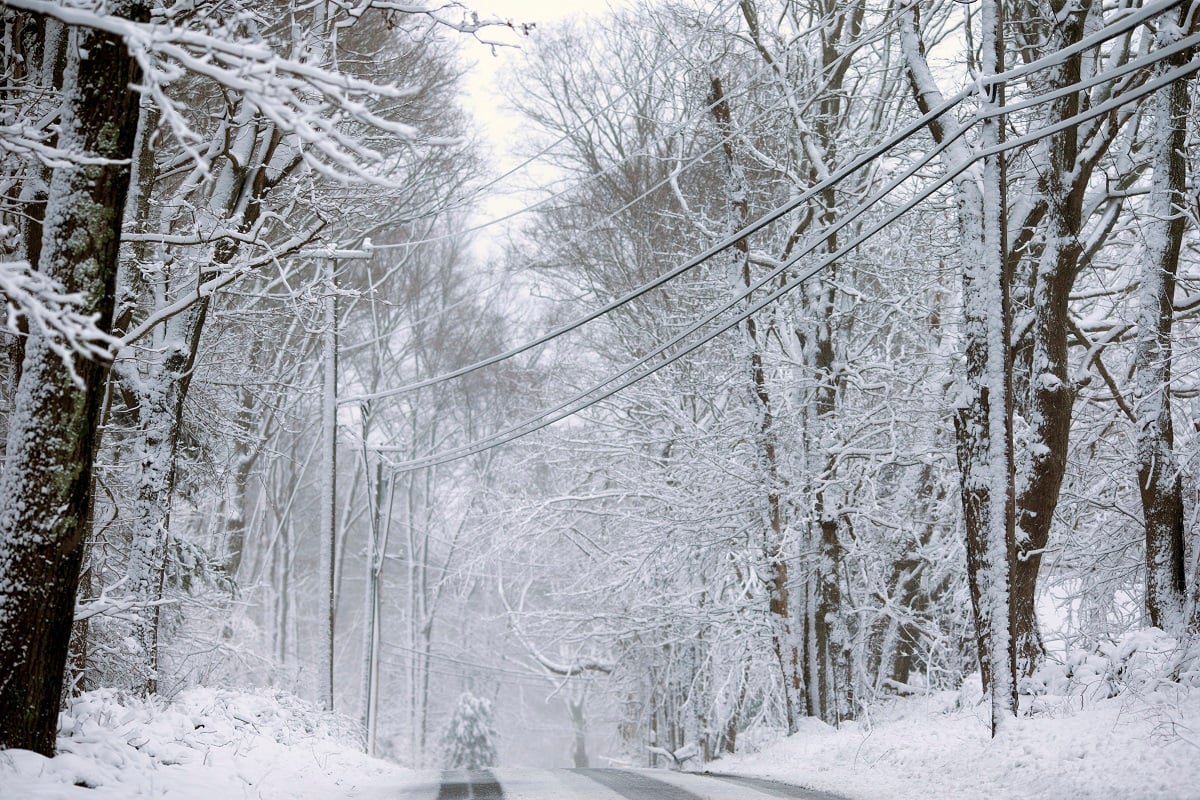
[589, 784]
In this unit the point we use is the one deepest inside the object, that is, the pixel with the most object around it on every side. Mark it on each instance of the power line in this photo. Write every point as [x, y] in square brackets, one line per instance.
[1098, 37]
[593, 117]
[630, 374]
[537, 677]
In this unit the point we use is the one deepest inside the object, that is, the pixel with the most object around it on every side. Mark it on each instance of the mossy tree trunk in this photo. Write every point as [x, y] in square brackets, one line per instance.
[45, 490]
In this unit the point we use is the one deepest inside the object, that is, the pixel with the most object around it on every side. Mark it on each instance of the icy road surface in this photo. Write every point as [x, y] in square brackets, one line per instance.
[593, 784]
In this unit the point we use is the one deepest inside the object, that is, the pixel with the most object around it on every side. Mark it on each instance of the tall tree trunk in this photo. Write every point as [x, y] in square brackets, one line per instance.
[1047, 396]
[45, 490]
[983, 421]
[831, 685]
[241, 185]
[160, 416]
[1158, 474]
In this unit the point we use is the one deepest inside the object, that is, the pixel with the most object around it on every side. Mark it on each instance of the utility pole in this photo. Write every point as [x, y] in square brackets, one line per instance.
[328, 516]
[327, 527]
[381, 521]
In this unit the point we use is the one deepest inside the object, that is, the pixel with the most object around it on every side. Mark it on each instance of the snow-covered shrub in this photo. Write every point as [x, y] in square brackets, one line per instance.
[1142, 661]
[469, 740]
[221, 713]
[219, 743]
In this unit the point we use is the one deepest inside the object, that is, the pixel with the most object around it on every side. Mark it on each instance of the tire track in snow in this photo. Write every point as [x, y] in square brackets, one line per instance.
[469, 785]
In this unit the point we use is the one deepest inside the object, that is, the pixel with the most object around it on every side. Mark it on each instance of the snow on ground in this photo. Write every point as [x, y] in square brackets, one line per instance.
[1117, 723]
[1123, 724]
[207, 744]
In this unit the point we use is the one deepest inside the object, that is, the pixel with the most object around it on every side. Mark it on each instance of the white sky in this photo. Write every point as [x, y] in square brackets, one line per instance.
[537, 10]
[500, 126]
[482, 87]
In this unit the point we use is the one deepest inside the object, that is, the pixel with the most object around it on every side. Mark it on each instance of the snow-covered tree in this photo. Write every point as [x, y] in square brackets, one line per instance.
[1159, 473]
[46, 487]
[238, 106]
[469, 738]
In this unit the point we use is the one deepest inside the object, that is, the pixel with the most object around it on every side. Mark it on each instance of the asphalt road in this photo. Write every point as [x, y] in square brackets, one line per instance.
[597, 784]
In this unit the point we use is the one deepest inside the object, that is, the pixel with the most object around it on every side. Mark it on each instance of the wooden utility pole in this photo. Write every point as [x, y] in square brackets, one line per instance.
[327, 527]
[328, 514]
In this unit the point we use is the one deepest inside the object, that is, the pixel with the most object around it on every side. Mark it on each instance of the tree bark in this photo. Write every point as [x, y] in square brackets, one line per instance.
[983, 420]
[1158, 473]
[45, 491]
[1047, 397]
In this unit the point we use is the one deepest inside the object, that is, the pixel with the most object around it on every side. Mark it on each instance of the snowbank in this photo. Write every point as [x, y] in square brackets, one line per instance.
[1118, 723]
[205, 744]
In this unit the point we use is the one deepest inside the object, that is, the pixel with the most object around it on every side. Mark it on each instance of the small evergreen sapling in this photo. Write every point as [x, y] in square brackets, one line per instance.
[469, 741]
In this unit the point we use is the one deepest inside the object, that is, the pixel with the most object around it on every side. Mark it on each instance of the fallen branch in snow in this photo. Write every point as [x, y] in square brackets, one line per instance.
[904, 689]
[685, 753]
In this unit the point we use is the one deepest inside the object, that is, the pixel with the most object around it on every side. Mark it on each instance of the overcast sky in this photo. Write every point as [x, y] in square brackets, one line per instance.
[483, 89]
[500, 126]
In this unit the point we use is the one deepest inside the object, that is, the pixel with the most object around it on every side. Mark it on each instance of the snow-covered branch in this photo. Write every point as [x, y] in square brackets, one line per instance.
[27, 141]
[54, 314]
[225, 278]
[107, 606]
[315, 105]
[452, 15]
[577, 666]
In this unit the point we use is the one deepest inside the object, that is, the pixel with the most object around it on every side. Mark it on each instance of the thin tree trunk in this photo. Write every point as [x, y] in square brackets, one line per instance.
[787, 652]
[988, 466]
[579, 754]
[328, 527]
[735, 718]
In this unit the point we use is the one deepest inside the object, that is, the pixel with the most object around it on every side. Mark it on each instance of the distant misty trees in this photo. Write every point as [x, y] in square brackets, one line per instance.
[967, 372]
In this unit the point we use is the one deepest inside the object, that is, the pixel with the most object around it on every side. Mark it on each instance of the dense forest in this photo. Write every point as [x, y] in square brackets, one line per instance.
[838, 350]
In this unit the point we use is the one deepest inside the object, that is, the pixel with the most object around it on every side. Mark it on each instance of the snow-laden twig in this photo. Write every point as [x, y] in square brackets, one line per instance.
[27, 141]
[54, 314]
[107, 606]
[225, 278]
[311, 103]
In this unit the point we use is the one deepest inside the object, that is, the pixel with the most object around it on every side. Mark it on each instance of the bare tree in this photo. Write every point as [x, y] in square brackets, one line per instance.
[983, 423]
[1160, 482]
